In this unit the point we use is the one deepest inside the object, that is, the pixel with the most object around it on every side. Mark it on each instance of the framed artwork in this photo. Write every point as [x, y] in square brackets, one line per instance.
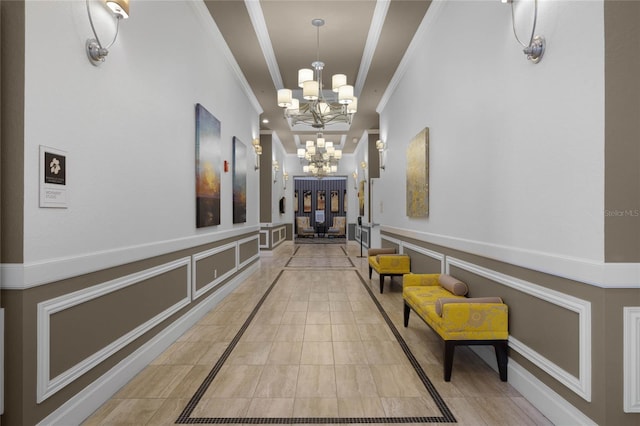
[418, 175]
[335, 201]
[207, 168]
[344, 201]
[295, 201]
[239, 177]
[321, 199]
[306, 201]
[53, 178]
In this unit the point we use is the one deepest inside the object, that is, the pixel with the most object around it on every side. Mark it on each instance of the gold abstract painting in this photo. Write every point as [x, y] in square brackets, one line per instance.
[418, 175]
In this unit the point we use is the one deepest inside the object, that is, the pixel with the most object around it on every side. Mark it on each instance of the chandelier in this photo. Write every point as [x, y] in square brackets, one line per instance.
[321, 156]
[319, 109]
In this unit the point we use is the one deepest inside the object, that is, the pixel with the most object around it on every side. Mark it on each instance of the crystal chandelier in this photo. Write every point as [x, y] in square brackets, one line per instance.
[321, 157]
[319, 109]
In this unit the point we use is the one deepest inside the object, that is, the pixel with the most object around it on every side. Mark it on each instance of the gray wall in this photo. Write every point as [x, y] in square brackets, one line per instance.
[622, 131]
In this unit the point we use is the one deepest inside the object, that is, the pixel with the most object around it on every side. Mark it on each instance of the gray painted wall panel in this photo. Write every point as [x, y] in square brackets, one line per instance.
[80, 331]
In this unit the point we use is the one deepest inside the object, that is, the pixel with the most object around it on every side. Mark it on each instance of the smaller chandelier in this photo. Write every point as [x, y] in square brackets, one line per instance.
[320, 156]
[318, 111]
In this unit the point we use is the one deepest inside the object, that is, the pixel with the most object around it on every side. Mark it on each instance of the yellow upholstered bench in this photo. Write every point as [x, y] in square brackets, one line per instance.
[441, 303]
[387, 263]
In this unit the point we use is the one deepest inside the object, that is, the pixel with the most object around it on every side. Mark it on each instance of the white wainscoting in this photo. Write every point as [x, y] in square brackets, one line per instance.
[631, 359]
[47, 386]
[596, 273]
[267, 237]
[580, 385]
[79, 407]
[278, 235]
[546, 400]
[216, 279]
[252, 258]
[32, 274]
[235, 245]
[430, 253]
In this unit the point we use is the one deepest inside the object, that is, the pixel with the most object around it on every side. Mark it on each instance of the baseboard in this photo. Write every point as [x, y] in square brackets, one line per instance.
[558, 410]
[83, 404]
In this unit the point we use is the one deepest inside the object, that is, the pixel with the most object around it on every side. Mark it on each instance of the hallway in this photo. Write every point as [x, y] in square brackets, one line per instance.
[308, 339]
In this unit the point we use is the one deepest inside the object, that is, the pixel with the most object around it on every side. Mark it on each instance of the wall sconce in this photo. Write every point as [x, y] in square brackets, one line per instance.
[535, 48]
[363, 166]
[285, 178]
[380, 146]
[95, 50]
[258, 149]
[276, 167]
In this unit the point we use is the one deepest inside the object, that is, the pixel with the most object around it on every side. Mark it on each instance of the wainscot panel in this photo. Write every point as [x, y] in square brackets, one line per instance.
[213, 266]
[559, 328]
[160, 290]
[248, 251]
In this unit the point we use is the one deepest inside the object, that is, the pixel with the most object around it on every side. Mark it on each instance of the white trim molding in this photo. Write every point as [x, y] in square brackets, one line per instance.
[260, 27]
[588, 271]
[75, 410]
[277, 235]
[267, 235]
[631, 359]
[252, 258]
[33, 274]
[546, 400]
[216, 279]
[581, 385]
[375, 29]
[209, 25]
[47, 386]
[430, 253]
[427, 21]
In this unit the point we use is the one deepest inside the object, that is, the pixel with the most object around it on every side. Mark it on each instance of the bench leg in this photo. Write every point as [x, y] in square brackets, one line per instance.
[381, 283]
[407, 311]
[449, 349]
[370, 269]
[502, 358]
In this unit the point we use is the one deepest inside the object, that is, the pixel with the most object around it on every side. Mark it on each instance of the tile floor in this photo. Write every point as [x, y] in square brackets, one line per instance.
[308, 339]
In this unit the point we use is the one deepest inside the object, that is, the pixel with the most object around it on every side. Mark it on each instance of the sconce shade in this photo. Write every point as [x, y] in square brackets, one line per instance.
[119, 7]
[379, 145]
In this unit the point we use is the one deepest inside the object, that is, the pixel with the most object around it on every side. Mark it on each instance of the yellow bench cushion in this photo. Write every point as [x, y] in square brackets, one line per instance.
[391, 264]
